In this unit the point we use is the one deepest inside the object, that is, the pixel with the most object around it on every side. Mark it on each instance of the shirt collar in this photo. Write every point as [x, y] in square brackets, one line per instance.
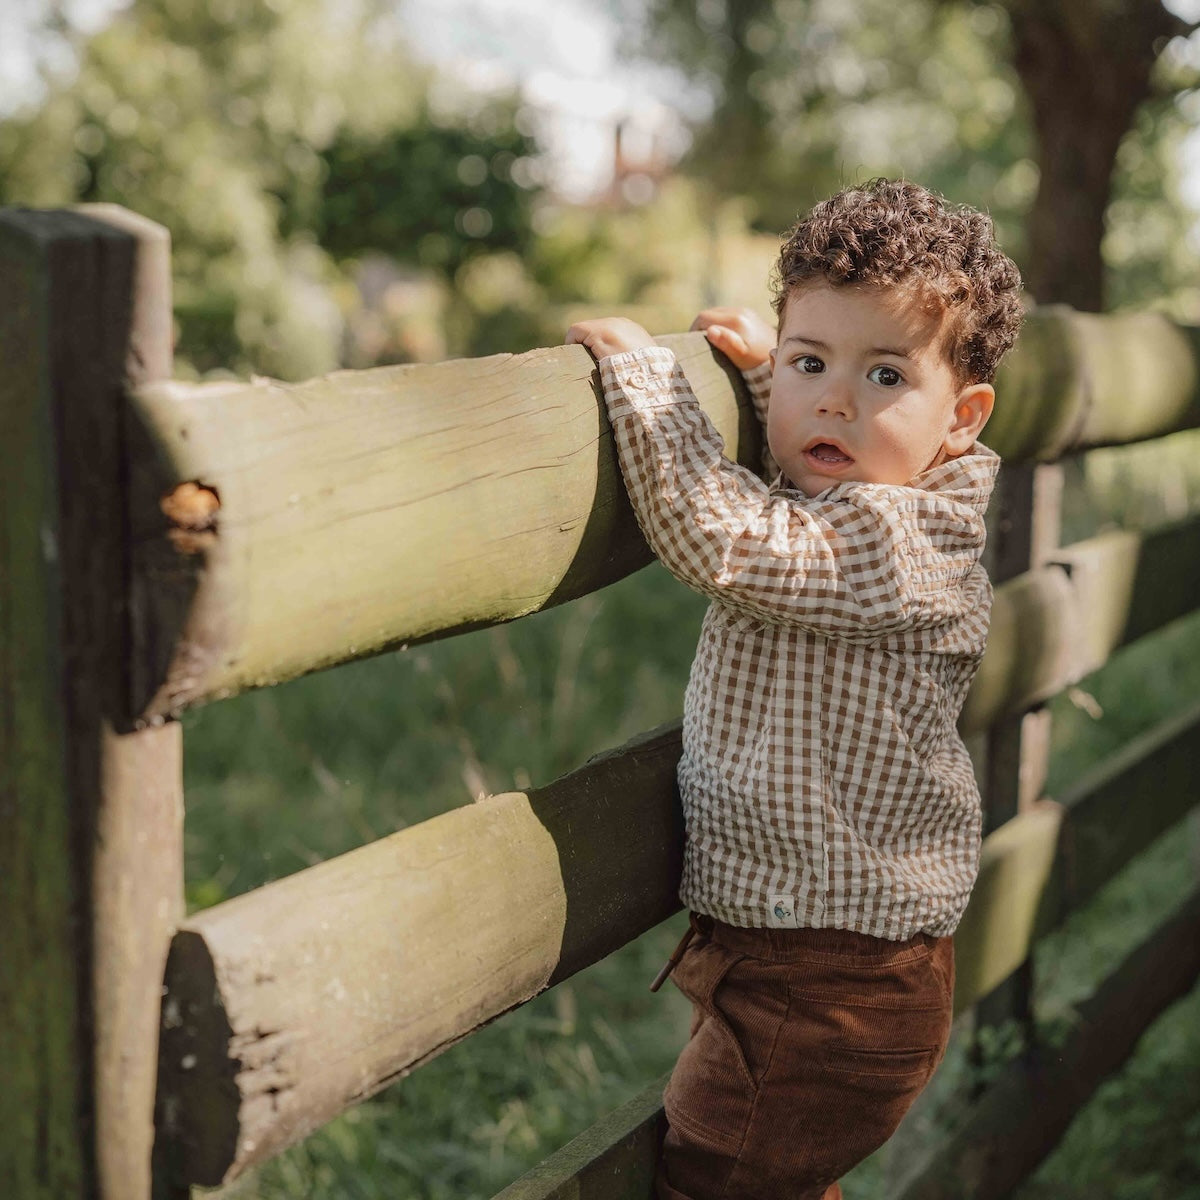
[969, 477]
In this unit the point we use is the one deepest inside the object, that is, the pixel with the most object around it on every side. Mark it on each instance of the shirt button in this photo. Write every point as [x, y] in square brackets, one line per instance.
[636, 380]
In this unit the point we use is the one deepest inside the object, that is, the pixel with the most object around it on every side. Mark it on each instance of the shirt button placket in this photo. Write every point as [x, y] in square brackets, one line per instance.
[819, 758]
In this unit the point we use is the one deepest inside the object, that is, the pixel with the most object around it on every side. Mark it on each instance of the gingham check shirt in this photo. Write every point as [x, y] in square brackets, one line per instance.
[824, 782]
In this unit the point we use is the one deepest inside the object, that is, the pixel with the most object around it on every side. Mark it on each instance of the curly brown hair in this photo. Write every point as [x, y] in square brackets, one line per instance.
[895, 234]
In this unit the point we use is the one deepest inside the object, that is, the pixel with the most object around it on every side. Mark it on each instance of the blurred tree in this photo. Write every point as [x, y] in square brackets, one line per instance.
[432, 194]
[272, 140]
[809, 95]
[1150, 244]
[1018, 107]
[1087, 67]
[192, 112]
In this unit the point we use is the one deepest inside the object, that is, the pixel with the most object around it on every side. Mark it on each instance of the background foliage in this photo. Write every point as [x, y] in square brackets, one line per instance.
[335, 202]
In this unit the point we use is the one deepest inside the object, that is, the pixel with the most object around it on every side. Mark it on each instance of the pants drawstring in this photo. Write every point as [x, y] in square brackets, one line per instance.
[673, 961]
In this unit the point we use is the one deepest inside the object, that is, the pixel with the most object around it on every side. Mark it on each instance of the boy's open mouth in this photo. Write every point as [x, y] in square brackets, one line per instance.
[828, 453]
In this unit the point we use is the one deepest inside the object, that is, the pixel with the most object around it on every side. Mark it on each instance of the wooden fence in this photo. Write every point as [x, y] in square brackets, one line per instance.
[166, 544]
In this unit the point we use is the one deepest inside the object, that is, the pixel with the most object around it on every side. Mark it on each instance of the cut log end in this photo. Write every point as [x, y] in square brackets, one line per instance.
[198, 1111]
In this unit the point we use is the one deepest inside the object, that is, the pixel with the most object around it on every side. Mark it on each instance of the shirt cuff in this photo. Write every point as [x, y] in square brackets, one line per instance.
[758, 378]
[638, 379]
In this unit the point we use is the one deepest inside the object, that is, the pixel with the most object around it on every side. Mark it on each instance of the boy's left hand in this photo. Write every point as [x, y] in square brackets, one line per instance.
[739, 333]
[608, 335]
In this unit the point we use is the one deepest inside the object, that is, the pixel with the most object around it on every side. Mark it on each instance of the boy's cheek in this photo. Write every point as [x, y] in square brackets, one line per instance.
[778, 448]
[780, 431]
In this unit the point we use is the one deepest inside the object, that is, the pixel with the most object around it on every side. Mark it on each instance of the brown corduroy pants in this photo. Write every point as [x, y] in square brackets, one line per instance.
[808, 1046]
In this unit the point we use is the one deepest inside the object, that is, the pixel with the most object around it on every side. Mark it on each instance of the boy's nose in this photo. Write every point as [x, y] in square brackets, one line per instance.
[837, 400]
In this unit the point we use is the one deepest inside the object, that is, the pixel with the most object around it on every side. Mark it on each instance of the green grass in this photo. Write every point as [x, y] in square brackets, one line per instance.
[1138, 1138]
[279, 779]
[282, 778]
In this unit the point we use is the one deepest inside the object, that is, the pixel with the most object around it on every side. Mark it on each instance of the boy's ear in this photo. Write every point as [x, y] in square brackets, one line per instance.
[771, 359]
[972, 408]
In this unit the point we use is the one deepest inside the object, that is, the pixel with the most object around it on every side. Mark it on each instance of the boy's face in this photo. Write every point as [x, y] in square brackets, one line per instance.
[861, 390]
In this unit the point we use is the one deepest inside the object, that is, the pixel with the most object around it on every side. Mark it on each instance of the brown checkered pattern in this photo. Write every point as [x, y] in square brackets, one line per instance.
[823, 779]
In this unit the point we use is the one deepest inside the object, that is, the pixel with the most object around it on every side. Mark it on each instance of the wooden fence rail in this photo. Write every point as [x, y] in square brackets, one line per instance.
[350, 1001]
[1055, 624]
[165, 544]
[371, 508]
[291, 1003]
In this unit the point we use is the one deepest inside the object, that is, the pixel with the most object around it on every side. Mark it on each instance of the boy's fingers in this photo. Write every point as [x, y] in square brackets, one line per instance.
[607, 336]
[713, 316]
[726, 339]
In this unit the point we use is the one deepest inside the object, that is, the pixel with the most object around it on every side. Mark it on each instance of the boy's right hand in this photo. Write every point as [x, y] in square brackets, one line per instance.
[739, 333]
[606, 336]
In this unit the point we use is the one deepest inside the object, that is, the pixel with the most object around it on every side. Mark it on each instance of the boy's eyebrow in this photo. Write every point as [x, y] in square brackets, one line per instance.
[820, 345]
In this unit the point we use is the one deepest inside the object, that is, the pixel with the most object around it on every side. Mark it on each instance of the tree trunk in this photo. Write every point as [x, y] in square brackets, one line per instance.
[1085, 66]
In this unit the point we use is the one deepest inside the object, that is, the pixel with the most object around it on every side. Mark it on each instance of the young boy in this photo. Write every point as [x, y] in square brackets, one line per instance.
[833, 823]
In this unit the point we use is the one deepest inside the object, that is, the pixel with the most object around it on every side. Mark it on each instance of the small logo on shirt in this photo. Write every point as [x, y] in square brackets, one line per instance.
[782, 911]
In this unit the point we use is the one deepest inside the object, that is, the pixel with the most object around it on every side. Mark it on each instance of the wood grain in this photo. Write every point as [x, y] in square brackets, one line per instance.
[371, 508]
[379, 507]
[1077, 380]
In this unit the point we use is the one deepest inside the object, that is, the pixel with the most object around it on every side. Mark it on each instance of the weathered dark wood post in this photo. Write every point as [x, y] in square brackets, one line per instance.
[90, 814]
[1026, 531]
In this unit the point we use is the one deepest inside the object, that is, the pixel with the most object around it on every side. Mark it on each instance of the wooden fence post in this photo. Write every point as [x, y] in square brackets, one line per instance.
[91, 815]
[1025, 533]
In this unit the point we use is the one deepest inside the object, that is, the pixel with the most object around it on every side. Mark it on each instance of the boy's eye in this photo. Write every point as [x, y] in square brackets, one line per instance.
[885, 376]
[810, 364]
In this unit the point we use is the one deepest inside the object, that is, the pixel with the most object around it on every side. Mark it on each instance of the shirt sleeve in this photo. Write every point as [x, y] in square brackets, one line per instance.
[758, 383]
[844, 564]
